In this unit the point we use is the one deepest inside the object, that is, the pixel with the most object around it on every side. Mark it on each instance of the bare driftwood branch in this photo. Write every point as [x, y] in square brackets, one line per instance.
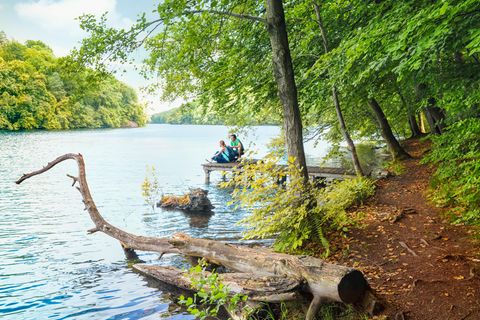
[325, 281]
[129, 240]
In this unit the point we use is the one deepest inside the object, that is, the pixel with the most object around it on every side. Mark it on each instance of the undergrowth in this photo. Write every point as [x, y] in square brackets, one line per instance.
[211, 294]
[456, 182]
[396, 167]
[294, 212]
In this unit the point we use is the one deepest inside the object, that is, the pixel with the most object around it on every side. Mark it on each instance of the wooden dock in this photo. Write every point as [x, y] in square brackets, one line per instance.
[327, 173]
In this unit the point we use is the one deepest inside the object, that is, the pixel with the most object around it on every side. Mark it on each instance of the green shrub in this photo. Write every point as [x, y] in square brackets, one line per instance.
[367, 155]
[297, 212]
[395, 166]
[456, 182]
[212, 294]
[151, 190]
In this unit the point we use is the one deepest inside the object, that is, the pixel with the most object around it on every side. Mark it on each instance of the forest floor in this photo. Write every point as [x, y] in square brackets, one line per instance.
[420, 264]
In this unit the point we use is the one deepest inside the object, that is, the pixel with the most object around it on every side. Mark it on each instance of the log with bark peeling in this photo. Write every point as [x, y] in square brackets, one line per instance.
[324, 281]
[263, 288]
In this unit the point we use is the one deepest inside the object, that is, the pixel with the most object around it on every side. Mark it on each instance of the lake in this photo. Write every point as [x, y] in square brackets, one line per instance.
[51, 269]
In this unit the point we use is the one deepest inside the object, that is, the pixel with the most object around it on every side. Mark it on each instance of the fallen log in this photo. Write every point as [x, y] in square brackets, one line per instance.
[324, 281]
[263, 288]
[258, 289]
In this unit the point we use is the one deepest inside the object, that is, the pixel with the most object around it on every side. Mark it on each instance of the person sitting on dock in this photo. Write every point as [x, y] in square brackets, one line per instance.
[236, 145]
[225, 154]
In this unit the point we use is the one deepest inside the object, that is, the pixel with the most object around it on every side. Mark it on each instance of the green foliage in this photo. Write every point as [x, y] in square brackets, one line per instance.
[211, 294]
[340, 312]
[276, 146]
[196, 113]
[367, 152]
[456, 181]
[188, 113]
[37, 91]
[396, 167]
[151, 191]
[297, 212]
[402, 53]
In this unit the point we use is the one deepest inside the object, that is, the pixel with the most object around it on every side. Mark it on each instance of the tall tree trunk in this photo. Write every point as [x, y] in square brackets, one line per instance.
[433, 114]
[287, 89]
[346, 135]
[421, 122]
[435, 117]
[412, 121]
[336, 102]
[393, 145]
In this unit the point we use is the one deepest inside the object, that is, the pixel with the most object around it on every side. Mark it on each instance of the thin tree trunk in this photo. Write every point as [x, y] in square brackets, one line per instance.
[336, 102]
[393, 145]
[346, 135]
[435, 117]
[287, 89]
[421, 121]
[412, 121]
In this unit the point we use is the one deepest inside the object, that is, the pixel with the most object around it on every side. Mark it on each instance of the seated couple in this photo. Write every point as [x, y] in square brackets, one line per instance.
[229, 153]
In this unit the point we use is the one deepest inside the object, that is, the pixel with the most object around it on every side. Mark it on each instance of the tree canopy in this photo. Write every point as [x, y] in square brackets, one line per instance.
[217, 52]
[399, 68]
[40, 91]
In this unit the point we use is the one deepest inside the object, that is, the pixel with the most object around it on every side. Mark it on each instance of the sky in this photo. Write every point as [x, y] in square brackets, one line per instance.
[54, 22]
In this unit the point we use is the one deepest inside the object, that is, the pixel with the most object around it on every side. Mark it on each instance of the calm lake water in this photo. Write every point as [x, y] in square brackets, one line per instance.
[51, 269]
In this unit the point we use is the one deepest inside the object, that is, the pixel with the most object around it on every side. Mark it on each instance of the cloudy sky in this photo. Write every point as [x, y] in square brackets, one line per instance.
[53, 22]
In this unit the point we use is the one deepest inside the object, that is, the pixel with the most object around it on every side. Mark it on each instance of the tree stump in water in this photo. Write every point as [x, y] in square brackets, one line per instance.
[194, 201]
[286, 274]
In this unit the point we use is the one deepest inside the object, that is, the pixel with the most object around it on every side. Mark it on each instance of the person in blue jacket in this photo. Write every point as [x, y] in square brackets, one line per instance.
[224, 155]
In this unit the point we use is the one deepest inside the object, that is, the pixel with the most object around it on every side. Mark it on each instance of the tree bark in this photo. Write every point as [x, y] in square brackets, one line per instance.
[412, 121]
[393, 145]
[287, 89]
[321, 279]
[435, 117]
[336, 102]
[264, 288]
[421, 122]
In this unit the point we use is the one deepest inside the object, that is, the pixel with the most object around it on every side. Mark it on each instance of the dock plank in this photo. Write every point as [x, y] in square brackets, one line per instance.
[313, 171]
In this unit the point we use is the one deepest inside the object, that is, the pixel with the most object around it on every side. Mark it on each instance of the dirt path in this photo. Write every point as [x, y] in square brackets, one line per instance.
[421, 265]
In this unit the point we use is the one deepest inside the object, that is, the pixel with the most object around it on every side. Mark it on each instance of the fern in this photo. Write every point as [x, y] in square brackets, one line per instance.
[296, 213]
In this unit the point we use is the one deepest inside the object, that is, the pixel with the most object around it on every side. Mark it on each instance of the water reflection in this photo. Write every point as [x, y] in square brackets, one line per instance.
[198, 219]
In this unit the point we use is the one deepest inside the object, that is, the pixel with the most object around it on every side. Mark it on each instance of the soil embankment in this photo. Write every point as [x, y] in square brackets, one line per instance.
[422, 265]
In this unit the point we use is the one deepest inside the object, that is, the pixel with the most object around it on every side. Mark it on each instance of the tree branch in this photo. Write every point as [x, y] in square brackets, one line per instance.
[160, 245]
[231, 14]
[148, 34]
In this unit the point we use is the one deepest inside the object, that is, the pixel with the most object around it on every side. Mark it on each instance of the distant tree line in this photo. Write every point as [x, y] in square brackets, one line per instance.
[40, 91]
[195, 113]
